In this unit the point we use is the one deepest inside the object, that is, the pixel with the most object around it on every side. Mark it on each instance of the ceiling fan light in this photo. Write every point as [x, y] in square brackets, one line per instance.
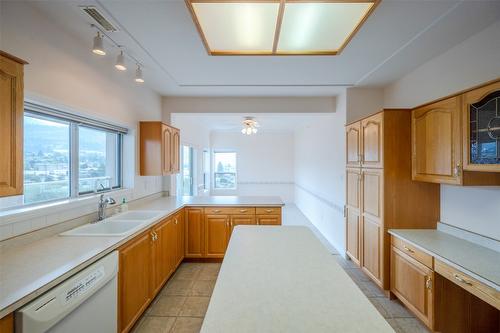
[98, 47]
[120, 62]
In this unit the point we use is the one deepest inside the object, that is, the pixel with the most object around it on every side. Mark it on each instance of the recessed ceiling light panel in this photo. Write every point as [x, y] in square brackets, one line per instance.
[238, 27]
[278, 27]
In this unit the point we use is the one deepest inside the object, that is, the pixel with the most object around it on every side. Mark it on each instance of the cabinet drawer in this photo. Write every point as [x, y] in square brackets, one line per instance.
[413, 252]
[268, 210]
[475, 287]
[230, 210]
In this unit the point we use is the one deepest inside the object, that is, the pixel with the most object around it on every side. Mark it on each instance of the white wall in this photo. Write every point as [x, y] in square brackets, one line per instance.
[265, 162]
[62, 72]
[362, 102]
[472, 62]
[320, 173]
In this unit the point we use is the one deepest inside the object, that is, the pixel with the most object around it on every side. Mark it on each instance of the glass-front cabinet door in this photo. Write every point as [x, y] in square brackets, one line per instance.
[482, 126]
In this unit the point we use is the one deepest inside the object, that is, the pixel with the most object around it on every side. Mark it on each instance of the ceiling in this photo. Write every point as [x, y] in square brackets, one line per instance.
[269, 122]
[399, 36]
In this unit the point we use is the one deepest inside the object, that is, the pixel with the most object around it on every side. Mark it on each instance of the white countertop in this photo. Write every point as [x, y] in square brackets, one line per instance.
[478, 261]
[281, 279]
[30, 270]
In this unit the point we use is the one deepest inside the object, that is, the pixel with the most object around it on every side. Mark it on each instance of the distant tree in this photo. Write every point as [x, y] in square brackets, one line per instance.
[220, 167]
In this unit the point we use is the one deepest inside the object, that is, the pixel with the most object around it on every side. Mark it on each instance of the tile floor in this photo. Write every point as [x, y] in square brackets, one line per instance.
[181, 305]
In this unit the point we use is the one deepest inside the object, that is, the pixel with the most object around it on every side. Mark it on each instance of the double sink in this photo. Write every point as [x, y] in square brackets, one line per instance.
[118, 225]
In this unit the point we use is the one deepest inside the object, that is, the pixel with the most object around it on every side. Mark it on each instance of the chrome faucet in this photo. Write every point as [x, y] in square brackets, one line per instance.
[101, 207]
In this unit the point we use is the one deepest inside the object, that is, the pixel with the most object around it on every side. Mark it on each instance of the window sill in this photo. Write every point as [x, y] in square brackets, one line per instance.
[14, 214]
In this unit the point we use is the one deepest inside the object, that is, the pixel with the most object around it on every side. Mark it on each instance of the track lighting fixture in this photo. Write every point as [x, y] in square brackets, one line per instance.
[138, 75]
[120, 62]
[98, 45]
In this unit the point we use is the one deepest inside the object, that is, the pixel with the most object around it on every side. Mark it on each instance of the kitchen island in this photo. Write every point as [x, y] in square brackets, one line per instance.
[281, 279]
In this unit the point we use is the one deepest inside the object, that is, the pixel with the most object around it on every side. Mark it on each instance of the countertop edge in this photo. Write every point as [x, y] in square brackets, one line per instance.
[120, 241]
[446, 260]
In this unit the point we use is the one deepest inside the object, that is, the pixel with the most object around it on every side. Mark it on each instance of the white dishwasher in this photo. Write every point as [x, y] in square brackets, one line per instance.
[85, 302]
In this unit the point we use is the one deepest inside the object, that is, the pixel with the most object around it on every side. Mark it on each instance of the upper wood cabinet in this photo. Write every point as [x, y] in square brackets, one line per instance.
[159, 149]
[481, 128]
[372, 145]
[353, 143]
[11, 124]
[436, 142]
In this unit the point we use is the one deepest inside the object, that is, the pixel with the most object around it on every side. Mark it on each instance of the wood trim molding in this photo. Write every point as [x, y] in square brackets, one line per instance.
[13, 58]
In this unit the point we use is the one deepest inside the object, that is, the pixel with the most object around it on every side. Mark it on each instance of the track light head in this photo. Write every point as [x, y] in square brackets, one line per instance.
[120, 62]
[138, 75]
[98, 47]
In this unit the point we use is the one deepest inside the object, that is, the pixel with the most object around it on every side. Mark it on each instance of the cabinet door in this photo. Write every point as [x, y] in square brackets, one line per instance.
[194, 233]
[171, 247]
[11, 127]
[353, 143]
[436, 142]
[241, 220]
[176, 144]
[166, 150]
[161, 261]
[134, 280]
[412, 283]
[269, 219]
[217, 235]
[353, 234]
[7, 324]
[371, 235]
[372, 181]
[179, 224]
[372, 141]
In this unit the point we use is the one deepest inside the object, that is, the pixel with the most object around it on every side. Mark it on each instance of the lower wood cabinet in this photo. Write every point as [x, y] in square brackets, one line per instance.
[134, 280]
[268, 219]
[217, 230]
[371, 235]
[7, 324]
[412, 283]
[180, 240]
[242, 220]
[195, 233]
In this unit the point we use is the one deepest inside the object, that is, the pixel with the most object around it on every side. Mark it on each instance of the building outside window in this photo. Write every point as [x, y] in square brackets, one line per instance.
[66, 158]
[225, 170]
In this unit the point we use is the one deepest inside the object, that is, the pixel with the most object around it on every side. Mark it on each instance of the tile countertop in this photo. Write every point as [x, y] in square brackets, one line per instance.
[30, 270]
[286, 281]
[478, 261]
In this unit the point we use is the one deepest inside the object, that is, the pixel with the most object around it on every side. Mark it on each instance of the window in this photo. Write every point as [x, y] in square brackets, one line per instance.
[64, 157]
[225, 170]
[206, 169]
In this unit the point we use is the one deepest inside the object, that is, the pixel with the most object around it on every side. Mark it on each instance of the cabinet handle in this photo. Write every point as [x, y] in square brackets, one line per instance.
[153, 236]
[462, 280]
[457, 170]
[408, 249]
[269, 210]
[176, 221]
[428, 283]
[216, 211]
[243, 210]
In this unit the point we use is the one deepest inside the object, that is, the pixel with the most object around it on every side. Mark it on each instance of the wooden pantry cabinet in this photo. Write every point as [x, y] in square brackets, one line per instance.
[11, 124]
[380, 193]
[146, 262]
[209, 229]
[159, 149]
[456, 140]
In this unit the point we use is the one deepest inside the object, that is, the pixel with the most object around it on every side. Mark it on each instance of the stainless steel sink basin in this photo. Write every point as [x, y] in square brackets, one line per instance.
[118, 225]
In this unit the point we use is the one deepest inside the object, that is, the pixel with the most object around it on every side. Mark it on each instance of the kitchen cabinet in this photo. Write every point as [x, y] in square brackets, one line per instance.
[134, 280]
[481, 128]
[159, 149]
[412, 283]
[180, 240]
[441, 138]
[7, 324]
[353, 144]
[241, 220]
[268, 219]
[195, 233]
[11, 124]
[372, 141]
[381, 195]
[217, 230]
[164, 256]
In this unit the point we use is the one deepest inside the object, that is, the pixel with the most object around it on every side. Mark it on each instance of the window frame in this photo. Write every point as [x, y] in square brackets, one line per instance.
[75, 122]
[214, 173]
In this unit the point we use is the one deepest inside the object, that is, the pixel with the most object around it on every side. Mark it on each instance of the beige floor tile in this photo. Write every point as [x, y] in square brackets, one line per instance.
[202, 288]
[167, 306]
[155, 325]
[187, 325]
[391, 308]
[178, 288]
[209, 272]
[370, 289]
[408, 325]
[195, 307]
[187, 271]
